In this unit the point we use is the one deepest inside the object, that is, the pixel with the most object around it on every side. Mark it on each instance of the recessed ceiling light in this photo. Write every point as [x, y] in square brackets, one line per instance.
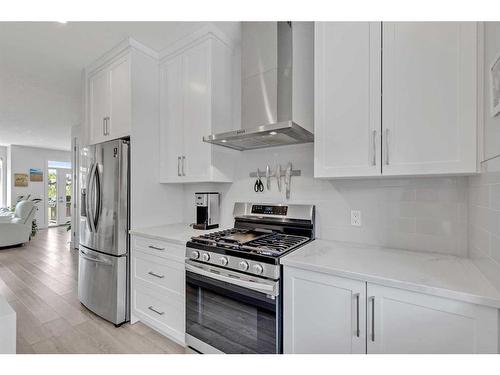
[63, 22]
[272, 133]
[223, 141]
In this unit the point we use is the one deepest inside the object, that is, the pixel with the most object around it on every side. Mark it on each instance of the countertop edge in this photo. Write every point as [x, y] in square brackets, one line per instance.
[157, 237]
[406, 285]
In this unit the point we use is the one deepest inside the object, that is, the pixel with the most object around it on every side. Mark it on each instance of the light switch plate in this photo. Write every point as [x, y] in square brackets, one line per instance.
[356, 218]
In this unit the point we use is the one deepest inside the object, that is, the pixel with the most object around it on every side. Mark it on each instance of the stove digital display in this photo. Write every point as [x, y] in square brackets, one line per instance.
[269, 210]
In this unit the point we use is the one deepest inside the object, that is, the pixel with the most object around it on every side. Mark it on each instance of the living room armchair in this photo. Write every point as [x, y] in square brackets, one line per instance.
[15, 228]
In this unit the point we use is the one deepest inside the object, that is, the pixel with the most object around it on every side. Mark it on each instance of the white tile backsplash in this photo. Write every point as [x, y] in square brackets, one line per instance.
[484, 220]
[422, 214]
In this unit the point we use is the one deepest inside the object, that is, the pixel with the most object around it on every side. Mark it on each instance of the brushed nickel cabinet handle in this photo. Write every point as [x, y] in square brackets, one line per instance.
[107, 125]
[374, 147]
[387, 146]
[156, 311]
[373, 318]
[357, 315]
[156, 248]
[104, 126]
[156, 275]
[183, 165]
[178, 165]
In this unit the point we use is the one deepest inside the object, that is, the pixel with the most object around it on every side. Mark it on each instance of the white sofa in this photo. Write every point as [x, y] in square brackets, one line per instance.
[15, 229]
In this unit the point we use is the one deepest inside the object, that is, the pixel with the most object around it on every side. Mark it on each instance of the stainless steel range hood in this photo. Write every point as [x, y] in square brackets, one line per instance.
[277, 89]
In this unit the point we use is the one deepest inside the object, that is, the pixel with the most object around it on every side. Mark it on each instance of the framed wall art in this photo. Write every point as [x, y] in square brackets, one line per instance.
[495, 86]
[20, 179]
[36, 175]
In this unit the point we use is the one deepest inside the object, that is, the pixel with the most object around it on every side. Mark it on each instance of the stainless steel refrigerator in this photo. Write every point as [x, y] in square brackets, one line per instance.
[103, 270]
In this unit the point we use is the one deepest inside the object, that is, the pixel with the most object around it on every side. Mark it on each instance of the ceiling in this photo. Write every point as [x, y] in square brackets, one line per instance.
[41, 65]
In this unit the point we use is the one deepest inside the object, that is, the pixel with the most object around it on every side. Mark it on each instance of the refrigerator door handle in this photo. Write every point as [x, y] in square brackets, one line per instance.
[90, 182]
[98, 203]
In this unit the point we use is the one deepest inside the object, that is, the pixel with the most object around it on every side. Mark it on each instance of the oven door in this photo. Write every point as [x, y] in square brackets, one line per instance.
[229, 312]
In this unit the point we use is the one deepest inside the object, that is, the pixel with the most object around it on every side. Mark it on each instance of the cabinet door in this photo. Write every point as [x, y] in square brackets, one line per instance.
[171, 119]
[347, 99]
[197, 111]
[399, 321]
[120, 100]
[98, 104]
[429, 97]
[323, 313]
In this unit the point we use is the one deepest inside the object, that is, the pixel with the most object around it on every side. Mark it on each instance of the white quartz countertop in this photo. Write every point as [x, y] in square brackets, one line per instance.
[178, 233]
[430, 273]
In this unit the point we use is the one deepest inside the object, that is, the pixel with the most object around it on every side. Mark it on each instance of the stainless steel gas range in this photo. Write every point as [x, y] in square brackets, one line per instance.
[234, 298]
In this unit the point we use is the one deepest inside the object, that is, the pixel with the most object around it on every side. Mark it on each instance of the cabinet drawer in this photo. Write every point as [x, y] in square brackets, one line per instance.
[163, 314]
[159, 248]
[155, 271]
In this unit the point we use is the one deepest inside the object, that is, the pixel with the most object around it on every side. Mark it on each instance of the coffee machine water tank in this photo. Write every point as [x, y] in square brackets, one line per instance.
[207, 210]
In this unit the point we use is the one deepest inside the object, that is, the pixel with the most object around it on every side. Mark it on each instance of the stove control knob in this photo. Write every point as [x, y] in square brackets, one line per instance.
[257, 269]
[195, 254]
[223, 261]
[205, 257]
[243, 265]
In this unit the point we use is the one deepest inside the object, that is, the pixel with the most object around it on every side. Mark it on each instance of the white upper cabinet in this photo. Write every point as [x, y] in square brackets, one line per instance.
[98, 105]
[395, 98]
[323, 314]
[403, 322]
[115, 85]
[429, 97]
[120, 106]
[109, 101]
[171, 117]
[195, 101]
[347, 99]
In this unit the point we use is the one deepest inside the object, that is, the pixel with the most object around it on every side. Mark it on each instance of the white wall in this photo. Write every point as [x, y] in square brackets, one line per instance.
[21, 159]
[484, 189]
[3, 177]
[422, 214]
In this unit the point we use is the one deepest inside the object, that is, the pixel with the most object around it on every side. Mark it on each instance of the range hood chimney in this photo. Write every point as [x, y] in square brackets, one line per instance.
[277, 87]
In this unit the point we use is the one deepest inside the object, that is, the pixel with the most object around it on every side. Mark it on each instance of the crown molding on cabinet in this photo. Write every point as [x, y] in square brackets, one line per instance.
[209, 31]
[117, 50]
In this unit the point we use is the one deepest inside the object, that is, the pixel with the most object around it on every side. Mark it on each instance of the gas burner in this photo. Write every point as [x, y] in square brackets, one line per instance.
[261, 236]
[258, 241]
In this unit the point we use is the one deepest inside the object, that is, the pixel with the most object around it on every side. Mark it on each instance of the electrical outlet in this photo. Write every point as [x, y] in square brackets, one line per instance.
[356, 218]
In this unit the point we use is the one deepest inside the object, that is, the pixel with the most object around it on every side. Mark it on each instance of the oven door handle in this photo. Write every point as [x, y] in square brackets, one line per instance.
[266, 288]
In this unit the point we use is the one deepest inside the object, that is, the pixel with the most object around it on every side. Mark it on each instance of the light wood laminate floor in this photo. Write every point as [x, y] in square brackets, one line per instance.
[39, 280]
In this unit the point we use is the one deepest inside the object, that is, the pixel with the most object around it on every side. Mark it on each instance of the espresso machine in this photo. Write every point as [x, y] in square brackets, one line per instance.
[207, 210]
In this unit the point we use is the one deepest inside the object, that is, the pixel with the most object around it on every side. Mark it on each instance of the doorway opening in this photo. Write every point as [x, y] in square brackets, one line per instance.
[59, 192]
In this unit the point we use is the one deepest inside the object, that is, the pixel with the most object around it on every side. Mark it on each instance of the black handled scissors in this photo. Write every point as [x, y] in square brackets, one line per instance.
[258, 187]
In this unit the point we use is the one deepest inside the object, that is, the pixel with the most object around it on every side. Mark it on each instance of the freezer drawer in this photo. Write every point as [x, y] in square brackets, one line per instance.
[102, 284]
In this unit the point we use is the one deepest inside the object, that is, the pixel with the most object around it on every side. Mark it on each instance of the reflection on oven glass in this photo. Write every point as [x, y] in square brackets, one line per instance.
[228, 324]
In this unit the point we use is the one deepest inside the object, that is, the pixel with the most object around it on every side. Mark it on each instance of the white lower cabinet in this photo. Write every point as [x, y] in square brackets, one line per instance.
[321, 316]
[400, 321]
[158, 290]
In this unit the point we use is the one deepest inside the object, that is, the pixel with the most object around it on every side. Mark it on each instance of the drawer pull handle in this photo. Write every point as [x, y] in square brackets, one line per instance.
[156, 248]
[156, 311]
[156, 275]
